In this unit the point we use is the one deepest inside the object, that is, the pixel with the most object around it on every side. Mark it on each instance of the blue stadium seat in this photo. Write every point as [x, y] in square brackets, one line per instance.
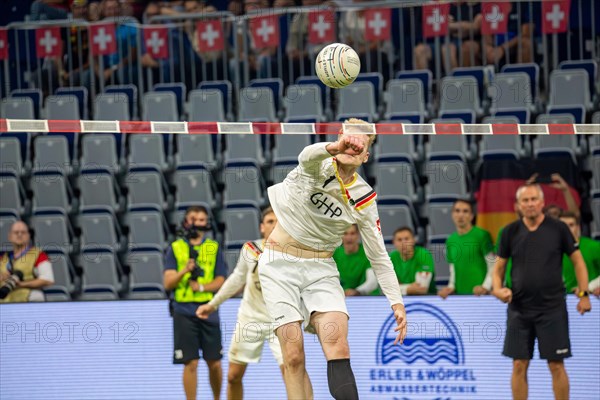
[34, 94]
[276, 86]
[523, 114]
[226, 90]
[531, 69]
[425, 76]
[377, 80]
[481, 74]
[132, 95]
[589, 65]
[81, 93]
[325, 90]
[177, 88]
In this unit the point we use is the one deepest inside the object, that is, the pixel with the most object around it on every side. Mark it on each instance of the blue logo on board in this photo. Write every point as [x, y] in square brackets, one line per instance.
[432, 337]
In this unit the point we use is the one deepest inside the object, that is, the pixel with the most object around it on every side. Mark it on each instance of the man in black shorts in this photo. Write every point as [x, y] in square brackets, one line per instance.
[195, 270]
[537, 306]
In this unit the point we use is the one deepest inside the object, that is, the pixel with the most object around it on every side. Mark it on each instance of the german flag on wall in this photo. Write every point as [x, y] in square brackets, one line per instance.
[498, 180]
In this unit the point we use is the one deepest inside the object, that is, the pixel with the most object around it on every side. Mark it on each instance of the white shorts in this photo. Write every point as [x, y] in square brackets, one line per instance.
[248, 341]
[294, 288]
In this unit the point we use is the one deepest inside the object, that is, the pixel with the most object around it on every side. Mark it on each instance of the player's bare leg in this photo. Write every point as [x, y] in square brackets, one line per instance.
[560, 380]
[291, 340]
[235, 374]
[307, 384]
[332, 330]
[190, 379]
[519, 379]
[215, 374]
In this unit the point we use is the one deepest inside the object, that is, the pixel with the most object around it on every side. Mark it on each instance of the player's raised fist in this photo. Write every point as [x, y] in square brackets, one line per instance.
[351, 144]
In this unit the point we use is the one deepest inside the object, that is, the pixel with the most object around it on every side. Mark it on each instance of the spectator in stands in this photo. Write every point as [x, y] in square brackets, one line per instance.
[28, 260]
[195, 269]
[537, 306]
[43, 10]
[558, 182]
[469, 252]
[516, 44]
[356, 276]
[413, 264]
[353, 31]
[120, 68]
[590, 250]
[460, 25]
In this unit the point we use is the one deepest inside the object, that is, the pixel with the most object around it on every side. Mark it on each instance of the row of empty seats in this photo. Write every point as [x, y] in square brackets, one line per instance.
[467, 95]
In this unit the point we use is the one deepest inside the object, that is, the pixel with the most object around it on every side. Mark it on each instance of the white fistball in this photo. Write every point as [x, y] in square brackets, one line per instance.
[337, 65]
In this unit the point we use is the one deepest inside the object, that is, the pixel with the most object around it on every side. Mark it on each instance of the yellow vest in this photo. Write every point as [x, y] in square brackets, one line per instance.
[207, 260]
[25, 264]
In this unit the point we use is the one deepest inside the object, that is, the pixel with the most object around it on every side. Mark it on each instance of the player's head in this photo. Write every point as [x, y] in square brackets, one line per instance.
[267, 222]
[572, 221]
[351, 236]
[19, 234]
[553, 211]
[363, 130]
[404, 240]
[530, 199]
[462, 214]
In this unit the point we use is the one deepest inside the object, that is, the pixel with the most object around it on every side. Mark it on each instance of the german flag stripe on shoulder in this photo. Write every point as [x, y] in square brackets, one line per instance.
[251, 247]
[365, 200]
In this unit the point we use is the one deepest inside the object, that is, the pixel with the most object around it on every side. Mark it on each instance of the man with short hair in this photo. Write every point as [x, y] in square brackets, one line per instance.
[195, 270]
[590, 251]
[413, 264]
[30, 261]
[537, 307]
[469, 252]
[315, 204]
[356, 276]
[254, 325]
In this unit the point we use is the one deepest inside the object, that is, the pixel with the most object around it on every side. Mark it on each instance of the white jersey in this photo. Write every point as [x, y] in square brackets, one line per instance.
[314, 207]
[252, 307]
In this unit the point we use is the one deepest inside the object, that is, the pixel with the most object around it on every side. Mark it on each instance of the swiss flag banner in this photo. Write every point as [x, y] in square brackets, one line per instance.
[495, 17]
[3, 44]
[265, 31]
[210, 35]
[321, 27]
[555, 16]
[103, 39]
[435, 19]
[48, 42]
[378, 24]
[157, 42]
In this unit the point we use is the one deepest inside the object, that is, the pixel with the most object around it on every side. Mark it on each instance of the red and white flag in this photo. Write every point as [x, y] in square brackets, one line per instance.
[555, 16]
[103, 39]
[157, 42]
[210, 35]
[48, 42]
[3, 44]
[378, 24]
[265, 31]
[495, 17]
[435, 19]
[321, 27]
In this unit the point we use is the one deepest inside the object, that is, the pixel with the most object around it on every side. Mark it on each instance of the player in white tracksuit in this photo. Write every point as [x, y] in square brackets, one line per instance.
[314, 205]
[254, 325]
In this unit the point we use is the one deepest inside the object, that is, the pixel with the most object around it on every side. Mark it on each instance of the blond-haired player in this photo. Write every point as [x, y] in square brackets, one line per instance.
[254, 325]
[315, 204]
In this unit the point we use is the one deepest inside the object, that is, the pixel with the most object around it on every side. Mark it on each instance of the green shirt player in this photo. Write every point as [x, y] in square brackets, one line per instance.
[356, 276]
[469, 252]
[590, 250]
[413, 264]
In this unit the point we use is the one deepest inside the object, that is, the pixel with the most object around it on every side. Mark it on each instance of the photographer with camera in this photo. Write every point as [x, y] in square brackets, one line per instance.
[25, 270]
[194, 270]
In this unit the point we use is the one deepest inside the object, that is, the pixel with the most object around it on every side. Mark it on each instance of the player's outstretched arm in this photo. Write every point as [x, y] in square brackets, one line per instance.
[232, 285]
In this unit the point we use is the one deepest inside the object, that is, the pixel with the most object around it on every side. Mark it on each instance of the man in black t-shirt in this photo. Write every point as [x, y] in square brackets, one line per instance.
[537, 307]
